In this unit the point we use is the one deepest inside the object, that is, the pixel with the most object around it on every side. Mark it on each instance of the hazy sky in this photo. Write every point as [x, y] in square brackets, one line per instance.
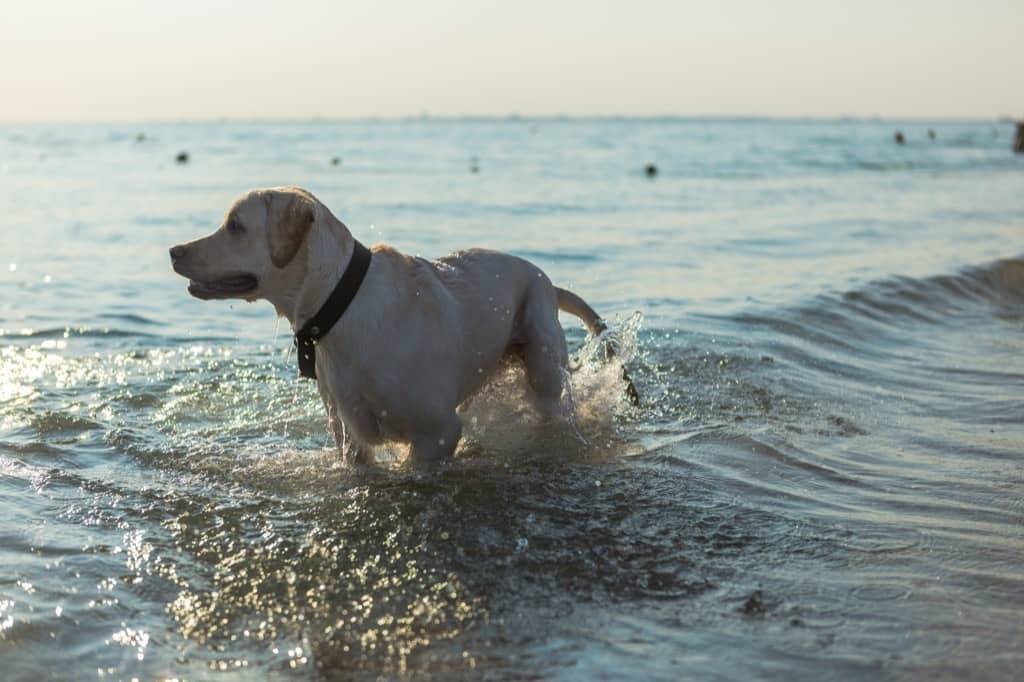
[141, 60]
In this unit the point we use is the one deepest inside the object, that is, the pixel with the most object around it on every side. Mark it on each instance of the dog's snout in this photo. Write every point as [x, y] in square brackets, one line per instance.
[177, 252]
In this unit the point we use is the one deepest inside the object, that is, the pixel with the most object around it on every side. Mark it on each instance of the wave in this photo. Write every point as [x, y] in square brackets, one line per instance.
[839, 364]
[131, 318]
[45, 333]
[67, 332]
[1000, 282]
[842, 319]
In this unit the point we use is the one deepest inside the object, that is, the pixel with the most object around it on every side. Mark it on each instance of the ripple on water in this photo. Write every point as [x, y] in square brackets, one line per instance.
[882, 540]
[881, 592]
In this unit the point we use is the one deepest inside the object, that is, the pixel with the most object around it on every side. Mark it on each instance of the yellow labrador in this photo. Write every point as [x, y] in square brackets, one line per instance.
[418, 337]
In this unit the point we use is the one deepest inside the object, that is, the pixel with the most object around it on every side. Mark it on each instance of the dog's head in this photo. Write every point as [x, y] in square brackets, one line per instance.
[256, 248]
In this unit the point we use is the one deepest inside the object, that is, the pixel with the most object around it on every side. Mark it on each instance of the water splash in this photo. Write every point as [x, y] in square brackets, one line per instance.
[500, 423]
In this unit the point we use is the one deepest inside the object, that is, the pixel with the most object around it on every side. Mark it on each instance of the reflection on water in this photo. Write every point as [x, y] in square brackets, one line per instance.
[824, 475]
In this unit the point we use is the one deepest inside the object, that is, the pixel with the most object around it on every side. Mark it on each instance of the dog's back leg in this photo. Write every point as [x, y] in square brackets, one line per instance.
[544, 352]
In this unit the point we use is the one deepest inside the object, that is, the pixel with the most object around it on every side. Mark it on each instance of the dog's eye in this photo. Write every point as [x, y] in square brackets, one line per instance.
[235, 227]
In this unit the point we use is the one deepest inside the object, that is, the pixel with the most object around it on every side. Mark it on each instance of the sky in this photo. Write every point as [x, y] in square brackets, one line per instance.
[106, 60]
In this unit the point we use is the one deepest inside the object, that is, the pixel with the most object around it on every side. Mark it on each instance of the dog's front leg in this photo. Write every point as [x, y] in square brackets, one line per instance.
[353, 452]
[437, 444]
[358, 454]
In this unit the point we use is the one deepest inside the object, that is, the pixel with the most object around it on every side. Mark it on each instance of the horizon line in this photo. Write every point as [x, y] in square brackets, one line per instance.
[856, 118]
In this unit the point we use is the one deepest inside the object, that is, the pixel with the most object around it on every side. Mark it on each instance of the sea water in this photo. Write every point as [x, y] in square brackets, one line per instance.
[824, 479]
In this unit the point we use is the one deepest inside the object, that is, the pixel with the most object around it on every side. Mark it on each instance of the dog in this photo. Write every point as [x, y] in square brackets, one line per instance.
[414, 340]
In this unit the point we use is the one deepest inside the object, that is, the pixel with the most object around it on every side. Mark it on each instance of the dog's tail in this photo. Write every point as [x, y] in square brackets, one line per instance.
[574, 305]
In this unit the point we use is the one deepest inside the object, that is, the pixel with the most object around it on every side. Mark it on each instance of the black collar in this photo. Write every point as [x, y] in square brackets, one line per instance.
[331, 311]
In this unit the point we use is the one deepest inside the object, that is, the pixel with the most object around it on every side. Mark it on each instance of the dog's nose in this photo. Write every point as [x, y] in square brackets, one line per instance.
[176, 253]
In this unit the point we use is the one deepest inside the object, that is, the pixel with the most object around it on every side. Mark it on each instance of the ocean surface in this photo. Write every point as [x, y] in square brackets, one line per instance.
[824, 480]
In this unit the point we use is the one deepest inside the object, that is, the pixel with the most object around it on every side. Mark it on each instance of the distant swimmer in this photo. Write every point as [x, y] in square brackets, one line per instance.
[650, 170]
[898, 137]
[931, 134]
[182, 157]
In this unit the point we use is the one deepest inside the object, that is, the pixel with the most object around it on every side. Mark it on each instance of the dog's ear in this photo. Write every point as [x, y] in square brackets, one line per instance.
[290, 220]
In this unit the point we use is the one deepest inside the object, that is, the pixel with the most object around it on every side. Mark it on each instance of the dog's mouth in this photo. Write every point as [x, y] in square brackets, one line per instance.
[225, 287]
